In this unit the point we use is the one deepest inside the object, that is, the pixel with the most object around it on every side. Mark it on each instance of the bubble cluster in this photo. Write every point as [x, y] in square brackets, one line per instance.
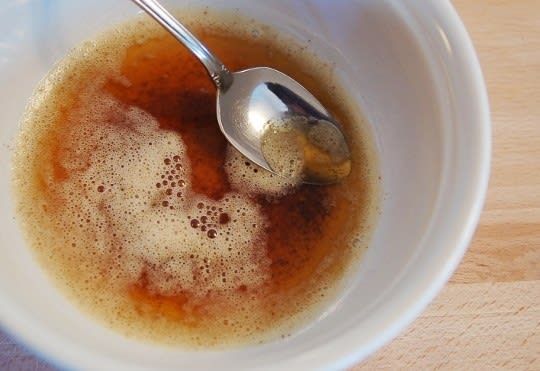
[138, 179]
[251, 178]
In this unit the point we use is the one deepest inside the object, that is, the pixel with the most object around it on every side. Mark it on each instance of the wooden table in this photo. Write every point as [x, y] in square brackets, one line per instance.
[488, 316]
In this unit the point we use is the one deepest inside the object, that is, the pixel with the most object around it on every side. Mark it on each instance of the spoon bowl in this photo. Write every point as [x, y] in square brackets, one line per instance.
[249, 101]
[262, 95]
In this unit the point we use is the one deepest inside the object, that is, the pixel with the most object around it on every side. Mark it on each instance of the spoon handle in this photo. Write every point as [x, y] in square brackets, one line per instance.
[221, 76]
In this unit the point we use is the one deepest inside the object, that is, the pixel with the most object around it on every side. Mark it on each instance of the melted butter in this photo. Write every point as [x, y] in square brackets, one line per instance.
[147, 220]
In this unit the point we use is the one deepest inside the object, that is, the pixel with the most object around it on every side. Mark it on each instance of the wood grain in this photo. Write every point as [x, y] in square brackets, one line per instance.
[478, 326]
[506, 35]
[488, 316]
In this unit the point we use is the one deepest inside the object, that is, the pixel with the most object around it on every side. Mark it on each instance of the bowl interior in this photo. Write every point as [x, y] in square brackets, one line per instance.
[404, 63]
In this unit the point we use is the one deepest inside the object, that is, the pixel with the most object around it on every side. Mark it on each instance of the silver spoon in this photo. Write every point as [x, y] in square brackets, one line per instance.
[254, 104]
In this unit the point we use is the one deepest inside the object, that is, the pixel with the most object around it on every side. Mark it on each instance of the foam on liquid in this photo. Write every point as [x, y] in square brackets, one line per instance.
[110, 198]
[163, 225]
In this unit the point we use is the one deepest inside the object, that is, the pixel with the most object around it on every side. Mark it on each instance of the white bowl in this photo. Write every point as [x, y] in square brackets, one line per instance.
[412, 69]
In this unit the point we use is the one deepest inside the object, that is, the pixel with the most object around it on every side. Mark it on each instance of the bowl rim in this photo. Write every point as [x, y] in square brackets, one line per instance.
[345, 351]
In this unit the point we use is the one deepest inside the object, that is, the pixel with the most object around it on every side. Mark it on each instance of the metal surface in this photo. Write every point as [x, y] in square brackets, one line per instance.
[248, 99]
[217, 70]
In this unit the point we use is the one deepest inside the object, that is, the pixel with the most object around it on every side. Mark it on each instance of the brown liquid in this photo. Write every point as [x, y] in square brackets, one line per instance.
[302, 239]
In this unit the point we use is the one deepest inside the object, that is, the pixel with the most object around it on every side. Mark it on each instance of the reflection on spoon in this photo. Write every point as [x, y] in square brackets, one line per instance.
[307, 150]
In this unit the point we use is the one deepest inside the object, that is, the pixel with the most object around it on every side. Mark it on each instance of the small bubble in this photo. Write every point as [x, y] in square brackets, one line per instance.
[212, 233]
[101, 188]
[200, 205]
[194, 223]
[173, 184]
[168, 192]
[203, 228]
[165, 203]
[176, 158]
[158, 185]
[179, 194]
[178, 166]
[165, 182]
[204, 219]
[170, 177]
[167, 161]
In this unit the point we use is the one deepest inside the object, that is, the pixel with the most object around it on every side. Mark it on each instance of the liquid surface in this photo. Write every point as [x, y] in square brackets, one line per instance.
[306, 149]
[150, 222]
